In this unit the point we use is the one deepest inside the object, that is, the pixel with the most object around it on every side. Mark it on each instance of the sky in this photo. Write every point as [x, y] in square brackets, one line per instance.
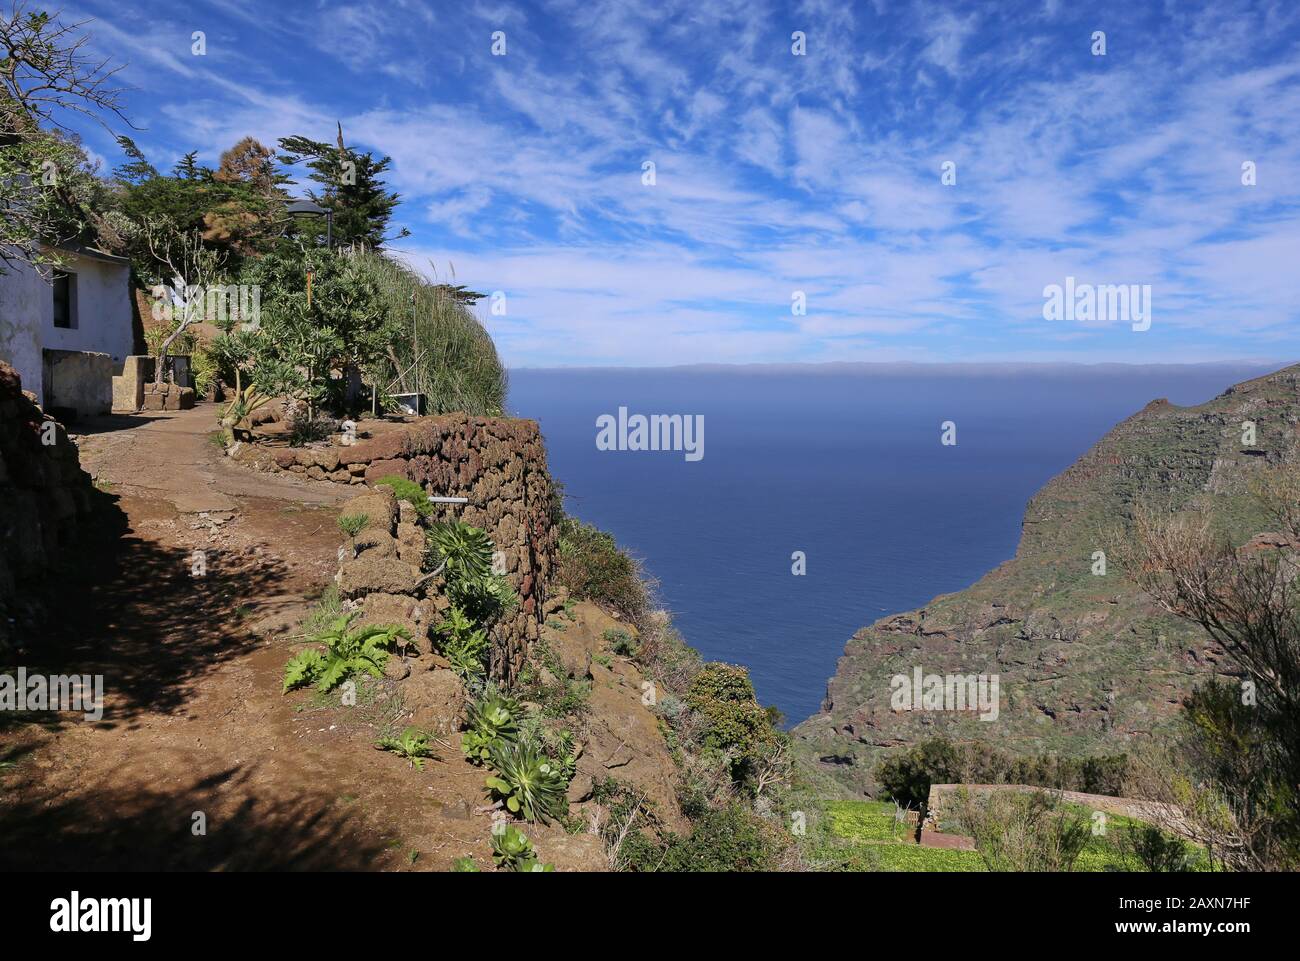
[778, 174]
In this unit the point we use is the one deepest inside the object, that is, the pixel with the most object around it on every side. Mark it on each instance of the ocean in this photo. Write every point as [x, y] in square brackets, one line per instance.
[844, 463]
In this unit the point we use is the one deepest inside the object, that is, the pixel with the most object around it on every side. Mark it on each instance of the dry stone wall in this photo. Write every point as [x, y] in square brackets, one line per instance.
[497, 464]
[45, 499]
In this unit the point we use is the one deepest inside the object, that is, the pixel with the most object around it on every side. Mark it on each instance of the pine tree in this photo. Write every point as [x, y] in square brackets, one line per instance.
[351, 186]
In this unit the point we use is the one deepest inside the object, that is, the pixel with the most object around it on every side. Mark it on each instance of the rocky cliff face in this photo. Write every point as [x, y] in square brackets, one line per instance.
[1085, 662]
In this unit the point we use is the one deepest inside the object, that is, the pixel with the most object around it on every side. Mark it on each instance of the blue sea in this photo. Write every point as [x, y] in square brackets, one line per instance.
[843, 463]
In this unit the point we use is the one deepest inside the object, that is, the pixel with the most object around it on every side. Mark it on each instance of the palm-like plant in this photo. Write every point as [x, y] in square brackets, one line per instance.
[528, 782]
[346, 653]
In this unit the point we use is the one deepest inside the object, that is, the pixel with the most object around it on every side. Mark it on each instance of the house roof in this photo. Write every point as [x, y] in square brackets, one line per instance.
[92, 253]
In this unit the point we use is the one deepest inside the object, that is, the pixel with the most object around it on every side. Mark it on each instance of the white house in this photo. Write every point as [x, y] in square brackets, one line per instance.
[68, 330]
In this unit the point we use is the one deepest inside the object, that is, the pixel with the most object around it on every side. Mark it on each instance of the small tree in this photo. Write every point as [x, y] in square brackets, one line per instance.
[1235, 773]
[192, 268]
[48, 191]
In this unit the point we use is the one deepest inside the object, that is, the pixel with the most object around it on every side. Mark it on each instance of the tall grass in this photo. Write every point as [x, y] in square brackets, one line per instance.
[439, 348]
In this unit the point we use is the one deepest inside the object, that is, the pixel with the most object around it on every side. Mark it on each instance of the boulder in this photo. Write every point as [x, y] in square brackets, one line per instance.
[378, 504]
[435, 700]
[397, 609]
[369, 574]
[376, 542]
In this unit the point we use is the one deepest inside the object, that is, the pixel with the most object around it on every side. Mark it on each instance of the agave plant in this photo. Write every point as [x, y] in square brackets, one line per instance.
[463, 551]
[527, 781]
[412, 745]
[237, 416]
[346, 653]
[492, 717]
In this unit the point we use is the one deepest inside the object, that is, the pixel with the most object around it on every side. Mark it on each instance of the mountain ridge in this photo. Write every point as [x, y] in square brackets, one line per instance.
[1086, 663]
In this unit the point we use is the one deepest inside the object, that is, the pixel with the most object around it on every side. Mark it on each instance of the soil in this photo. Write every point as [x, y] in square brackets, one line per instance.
[195, 728]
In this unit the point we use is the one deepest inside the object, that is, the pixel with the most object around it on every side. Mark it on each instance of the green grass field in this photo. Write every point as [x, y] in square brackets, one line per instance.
[863, 836]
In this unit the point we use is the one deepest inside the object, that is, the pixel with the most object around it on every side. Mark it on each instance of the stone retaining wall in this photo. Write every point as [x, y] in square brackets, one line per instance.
[45, 498]
[498, 464]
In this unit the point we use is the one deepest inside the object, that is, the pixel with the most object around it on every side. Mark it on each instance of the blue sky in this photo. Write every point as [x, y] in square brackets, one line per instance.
[778, 173]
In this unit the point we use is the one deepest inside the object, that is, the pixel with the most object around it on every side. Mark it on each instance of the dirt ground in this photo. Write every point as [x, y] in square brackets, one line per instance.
[194, 722]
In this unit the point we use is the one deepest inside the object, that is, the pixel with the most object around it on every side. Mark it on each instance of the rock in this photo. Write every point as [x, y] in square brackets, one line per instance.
[570, 852]
[376, 542]
[624, 741]
[555, 601]
[573, 649]
[326, 458]
[435, 700]
[410, 543]
[369, 574]
[378, 504]
[397, 668]
[581, 788]
[397, 609]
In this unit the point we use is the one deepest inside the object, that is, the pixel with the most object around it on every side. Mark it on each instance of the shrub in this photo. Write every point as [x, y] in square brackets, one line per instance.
[731, 718]
[906, 776]
[1016, 831]
[726, 840]
[409, 491]
[621, 643]
[592, 567]
[346, 653]
[1155, 850]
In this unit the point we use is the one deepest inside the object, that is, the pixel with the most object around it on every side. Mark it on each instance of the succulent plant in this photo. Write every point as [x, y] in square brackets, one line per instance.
[529, 783]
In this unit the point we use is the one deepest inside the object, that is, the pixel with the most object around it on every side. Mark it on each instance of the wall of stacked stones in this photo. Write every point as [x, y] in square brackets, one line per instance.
[499, 465]
[45, 499]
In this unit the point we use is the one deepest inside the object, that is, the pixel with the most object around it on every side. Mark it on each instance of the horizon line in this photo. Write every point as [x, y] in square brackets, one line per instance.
[989, 366]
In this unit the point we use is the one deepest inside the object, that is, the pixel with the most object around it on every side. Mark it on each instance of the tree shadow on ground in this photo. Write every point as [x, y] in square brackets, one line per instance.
[135, 611]
[146, 830]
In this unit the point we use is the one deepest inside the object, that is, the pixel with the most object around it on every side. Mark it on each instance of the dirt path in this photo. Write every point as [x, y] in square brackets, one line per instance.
[194, 722]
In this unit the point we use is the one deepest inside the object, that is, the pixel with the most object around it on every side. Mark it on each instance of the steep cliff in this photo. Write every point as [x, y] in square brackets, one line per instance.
[1085, 662]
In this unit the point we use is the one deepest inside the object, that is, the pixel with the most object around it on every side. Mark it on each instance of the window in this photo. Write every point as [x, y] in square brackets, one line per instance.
[65, 300]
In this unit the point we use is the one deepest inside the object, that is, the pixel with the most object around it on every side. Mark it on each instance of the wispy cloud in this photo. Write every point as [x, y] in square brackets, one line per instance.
[777, 173]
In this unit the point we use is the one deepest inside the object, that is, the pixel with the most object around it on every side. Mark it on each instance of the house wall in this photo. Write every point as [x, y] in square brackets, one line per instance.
[104, 323]
[22, 295]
